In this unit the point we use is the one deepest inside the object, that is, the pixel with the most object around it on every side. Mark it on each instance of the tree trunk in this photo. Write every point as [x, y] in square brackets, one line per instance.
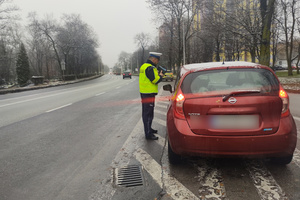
[267, 11]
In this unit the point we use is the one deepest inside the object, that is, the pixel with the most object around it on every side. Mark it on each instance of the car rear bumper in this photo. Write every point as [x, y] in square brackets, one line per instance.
[184, 142]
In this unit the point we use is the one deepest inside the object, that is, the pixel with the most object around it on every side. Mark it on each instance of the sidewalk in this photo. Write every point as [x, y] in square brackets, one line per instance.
[291, 85]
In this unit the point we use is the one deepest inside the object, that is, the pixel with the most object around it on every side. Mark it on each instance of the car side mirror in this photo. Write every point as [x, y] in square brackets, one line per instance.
[168, 88]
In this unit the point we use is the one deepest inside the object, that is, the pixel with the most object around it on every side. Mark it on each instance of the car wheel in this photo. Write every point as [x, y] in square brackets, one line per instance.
[173, 157]
[282, 160]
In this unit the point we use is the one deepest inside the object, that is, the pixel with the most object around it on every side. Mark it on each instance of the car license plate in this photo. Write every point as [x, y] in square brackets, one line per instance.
[234, 122]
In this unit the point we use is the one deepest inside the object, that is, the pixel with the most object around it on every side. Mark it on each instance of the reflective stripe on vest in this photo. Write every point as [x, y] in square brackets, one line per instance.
[146, 86]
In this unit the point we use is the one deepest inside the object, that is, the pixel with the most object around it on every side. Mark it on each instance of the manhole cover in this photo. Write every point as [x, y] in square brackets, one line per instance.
[129, 176]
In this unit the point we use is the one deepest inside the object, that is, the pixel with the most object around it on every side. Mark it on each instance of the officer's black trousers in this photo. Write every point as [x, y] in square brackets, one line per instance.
[148, 103]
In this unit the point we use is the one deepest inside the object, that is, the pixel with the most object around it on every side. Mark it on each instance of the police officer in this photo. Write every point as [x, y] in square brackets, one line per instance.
[148, 80]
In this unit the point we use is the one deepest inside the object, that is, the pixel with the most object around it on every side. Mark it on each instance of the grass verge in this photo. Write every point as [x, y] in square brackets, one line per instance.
[285, 74]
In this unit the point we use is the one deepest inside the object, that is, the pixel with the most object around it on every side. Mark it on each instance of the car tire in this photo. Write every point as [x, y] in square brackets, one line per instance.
[173, 157]
[282, 160]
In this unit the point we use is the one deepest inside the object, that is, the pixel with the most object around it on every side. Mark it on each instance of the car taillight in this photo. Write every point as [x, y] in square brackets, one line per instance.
[179, 105]
[129, 73]
[123, 74]
[285, 102]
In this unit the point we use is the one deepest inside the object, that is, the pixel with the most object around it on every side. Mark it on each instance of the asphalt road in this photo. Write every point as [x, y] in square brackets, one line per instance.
[70, 142]
[57, 143]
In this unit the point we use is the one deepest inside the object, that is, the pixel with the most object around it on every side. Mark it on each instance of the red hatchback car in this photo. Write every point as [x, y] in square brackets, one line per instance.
[229, 109]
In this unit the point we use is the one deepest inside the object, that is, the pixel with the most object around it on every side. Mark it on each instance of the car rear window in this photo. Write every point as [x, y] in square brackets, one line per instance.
[227, 80]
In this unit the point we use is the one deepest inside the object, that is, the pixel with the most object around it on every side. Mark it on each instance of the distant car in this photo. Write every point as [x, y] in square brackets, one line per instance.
[277, 67]
[126, 75]
[236, 109]
[168, 76]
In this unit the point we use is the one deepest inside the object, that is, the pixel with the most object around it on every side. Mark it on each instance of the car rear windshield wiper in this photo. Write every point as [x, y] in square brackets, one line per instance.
[226, 97]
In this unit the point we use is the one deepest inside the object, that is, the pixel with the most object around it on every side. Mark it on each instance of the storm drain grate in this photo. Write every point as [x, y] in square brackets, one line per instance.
[129, 176]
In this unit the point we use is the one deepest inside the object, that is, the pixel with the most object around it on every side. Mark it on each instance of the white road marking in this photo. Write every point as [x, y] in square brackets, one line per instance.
[264, 182]
[152, 167]
[28, 100]
[118, 87]
[296, 157]
[59, 108]
[159, 121]
[161, 141]
[296, 118]
[161, 106]
[164, 102]
[171, 185]
[122, 159]
[100, 94]
[210, 179]
[44, 96]
[159, 112]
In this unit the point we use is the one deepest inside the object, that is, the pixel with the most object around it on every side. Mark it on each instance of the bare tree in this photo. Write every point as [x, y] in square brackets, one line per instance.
[267, 8]
[124, 60]
[48, 29]
[177, 19]
[77, 42]
[287, 23]
[9, 41]
[6, 10]
[143, 40]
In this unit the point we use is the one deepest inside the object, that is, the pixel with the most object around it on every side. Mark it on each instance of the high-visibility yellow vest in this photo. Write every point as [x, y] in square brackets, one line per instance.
[146, 86]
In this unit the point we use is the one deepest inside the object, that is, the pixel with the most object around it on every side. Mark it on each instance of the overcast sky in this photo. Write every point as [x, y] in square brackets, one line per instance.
[116, 22]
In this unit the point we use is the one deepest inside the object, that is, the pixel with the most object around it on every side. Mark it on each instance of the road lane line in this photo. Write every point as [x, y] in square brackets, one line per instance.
[28, 100]
[264, 182]
[43, 97]
[100, 94]
[296, 118]
[58, 108]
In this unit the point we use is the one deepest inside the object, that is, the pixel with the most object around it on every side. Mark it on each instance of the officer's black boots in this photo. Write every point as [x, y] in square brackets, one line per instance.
[152, 137]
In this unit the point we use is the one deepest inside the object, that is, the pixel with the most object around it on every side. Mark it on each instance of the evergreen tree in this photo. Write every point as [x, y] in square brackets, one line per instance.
[23, 71]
